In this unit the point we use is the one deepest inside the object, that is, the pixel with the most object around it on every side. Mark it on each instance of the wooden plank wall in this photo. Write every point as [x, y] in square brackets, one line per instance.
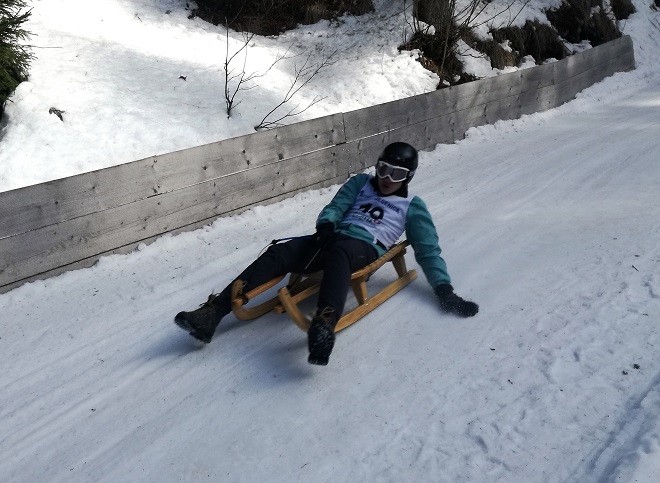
[49, 228]
[68, 223]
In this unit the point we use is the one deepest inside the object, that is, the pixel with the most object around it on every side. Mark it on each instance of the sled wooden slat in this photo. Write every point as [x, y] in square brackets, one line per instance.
[299, 289]
[372, 303]
[397, 250]
[262, 288]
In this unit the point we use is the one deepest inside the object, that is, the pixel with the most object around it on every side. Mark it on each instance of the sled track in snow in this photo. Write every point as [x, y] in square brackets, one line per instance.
[638, 421]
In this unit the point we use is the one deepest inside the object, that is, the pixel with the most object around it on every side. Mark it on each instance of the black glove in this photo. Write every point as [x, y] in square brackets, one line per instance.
[325, 234]
[453, 304]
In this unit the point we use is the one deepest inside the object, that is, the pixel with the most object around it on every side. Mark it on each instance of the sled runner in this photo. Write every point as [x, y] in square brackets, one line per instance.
[301, 287]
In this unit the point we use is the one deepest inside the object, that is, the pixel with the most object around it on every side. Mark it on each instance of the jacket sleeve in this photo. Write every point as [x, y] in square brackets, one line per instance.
[342, 201]
[423, 238]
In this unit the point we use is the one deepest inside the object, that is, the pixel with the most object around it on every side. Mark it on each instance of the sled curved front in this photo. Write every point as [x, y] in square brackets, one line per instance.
[240, 299]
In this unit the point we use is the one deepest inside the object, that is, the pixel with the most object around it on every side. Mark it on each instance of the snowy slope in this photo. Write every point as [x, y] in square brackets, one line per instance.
[551, 223]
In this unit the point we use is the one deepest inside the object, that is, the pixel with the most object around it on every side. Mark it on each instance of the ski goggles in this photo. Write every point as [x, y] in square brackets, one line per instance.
[395, 173]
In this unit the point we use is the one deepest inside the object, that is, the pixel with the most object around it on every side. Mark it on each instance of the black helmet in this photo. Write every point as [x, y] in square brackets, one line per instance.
[401, 154]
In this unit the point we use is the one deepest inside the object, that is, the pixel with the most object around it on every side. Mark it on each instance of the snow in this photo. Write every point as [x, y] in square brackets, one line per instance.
[551, 223]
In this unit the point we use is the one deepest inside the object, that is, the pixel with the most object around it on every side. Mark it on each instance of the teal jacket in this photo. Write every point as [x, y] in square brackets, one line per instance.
[420, 230]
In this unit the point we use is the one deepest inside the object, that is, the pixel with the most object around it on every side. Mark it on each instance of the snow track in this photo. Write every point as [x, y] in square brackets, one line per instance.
[551, 223]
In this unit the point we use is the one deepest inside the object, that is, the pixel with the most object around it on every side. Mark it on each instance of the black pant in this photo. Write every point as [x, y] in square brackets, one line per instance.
[301, 255]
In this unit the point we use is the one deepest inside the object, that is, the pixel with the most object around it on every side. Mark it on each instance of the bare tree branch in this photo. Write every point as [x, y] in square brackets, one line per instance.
[303, 75]
[239, 81]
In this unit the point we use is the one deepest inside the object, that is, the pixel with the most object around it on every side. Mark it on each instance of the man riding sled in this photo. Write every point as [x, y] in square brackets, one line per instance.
[366, 217]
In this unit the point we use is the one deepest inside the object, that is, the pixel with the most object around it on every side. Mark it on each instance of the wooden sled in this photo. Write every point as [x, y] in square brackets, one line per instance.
[301, 287]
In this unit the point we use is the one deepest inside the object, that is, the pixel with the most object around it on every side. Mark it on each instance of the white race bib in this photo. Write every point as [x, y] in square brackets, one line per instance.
[382, 216]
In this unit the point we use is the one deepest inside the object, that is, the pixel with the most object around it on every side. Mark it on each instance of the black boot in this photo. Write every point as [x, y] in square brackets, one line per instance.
[201, 323]
[321, 336]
